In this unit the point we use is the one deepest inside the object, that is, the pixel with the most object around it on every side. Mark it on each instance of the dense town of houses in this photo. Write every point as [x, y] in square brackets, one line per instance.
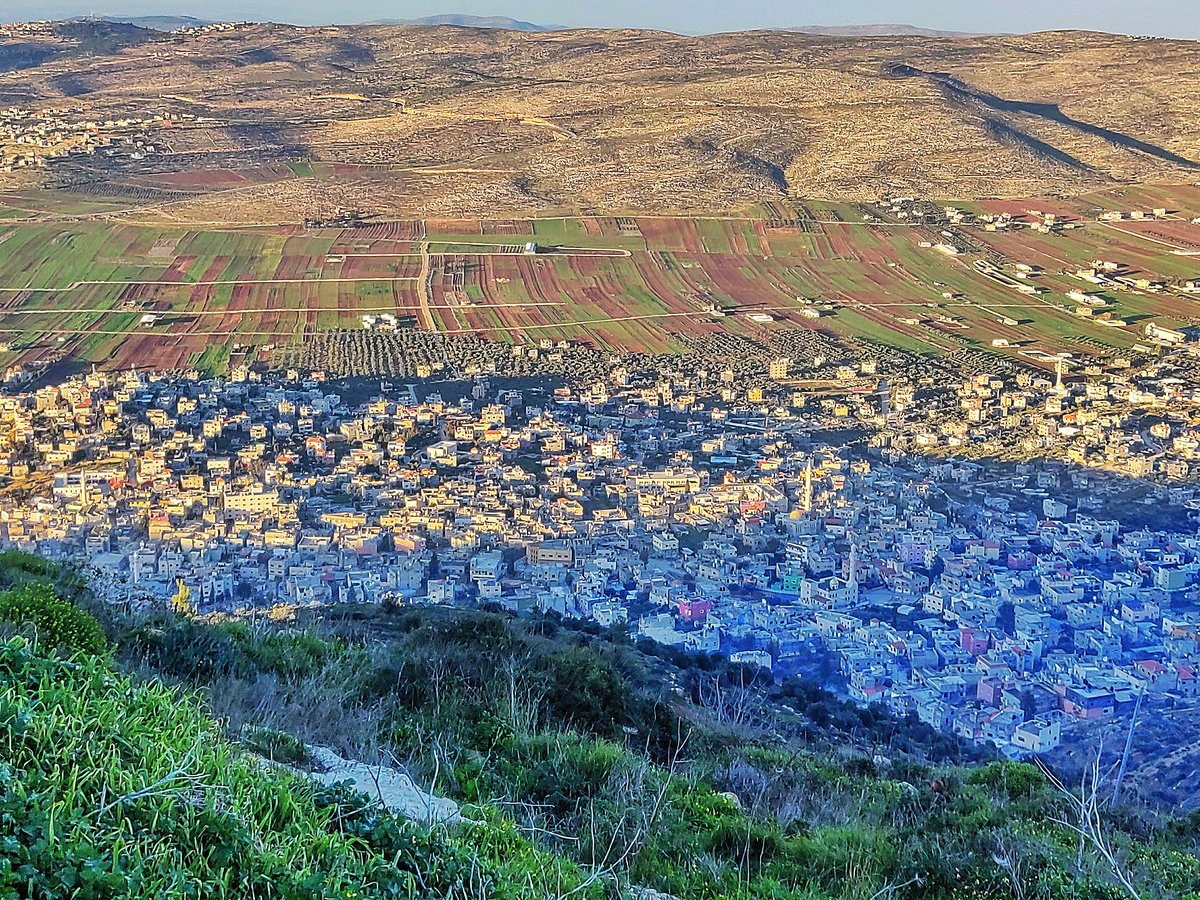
[998, 601]
[30, 138]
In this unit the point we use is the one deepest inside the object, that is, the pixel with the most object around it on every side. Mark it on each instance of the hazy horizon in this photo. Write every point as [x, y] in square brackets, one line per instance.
[1167, 18]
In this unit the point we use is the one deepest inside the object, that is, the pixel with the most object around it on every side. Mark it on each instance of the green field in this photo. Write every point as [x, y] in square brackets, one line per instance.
[119, 293]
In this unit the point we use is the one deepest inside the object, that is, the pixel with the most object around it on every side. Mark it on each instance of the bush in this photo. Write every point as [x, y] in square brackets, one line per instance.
[183, 648]
[200, 653]
[55, 623]
[556, 770]
[277, 746]
[287, 654]
[17, 567]
[1013, 780]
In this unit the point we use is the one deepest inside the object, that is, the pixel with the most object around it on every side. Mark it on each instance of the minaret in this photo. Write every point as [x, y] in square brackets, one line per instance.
[1059, 364]
[852, 575]
[808, 487]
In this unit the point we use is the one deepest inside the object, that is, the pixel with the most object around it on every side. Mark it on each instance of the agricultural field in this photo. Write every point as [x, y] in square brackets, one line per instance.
[80, 285]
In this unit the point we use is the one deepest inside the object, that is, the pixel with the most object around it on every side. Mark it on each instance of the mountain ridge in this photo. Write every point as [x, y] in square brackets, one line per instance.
[502, 23]
[877, 30]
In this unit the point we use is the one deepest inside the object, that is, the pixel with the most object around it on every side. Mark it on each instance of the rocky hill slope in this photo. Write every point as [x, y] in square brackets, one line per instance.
[445, 120]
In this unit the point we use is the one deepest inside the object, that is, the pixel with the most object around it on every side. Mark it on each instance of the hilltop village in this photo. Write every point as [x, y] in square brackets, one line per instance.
[825, 533]
[30, 139]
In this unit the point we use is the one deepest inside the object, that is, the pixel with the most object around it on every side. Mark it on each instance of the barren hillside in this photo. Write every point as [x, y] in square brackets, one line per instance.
[448, 121]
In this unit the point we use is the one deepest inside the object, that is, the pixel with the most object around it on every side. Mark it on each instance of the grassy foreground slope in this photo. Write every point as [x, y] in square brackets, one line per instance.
[117, 780]
[114, 788]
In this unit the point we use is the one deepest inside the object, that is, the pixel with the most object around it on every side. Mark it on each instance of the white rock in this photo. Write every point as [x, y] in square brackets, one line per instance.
[394, 789]
[645, 893]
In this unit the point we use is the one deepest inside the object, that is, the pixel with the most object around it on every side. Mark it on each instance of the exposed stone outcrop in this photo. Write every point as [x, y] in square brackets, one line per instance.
[393, 788]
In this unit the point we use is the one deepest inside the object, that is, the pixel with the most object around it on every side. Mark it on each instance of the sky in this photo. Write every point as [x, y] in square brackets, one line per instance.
[1168, 18]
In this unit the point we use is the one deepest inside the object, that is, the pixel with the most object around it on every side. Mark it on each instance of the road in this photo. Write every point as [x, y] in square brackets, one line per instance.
[425, 277]
[198, 313]
[1176, 250]
[77, 285]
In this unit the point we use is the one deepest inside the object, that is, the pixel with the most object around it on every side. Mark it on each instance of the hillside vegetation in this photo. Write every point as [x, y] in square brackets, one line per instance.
[114, 788]
[584, 769]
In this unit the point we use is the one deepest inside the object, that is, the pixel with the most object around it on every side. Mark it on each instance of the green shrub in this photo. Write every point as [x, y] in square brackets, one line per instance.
[839, 853]
[556, 770]
[199, 652]
[54, 622]
[277, 746]
[17, 567]
[1012, 779]
[286, 654]
[183, 648]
